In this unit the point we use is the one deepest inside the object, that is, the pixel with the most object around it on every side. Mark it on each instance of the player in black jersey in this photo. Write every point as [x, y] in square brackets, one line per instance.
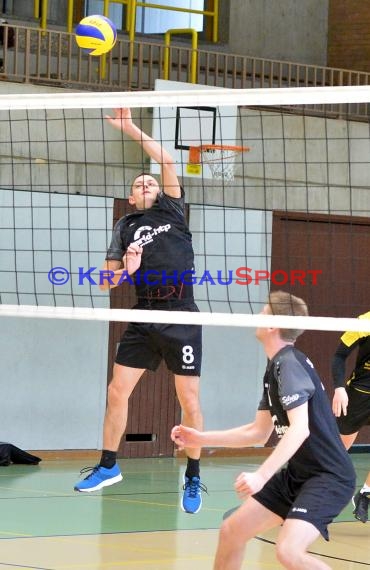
[153, 247]
[318, 478]
[351, 401]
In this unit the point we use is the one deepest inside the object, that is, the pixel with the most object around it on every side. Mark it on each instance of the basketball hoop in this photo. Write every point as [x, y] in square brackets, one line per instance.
[219, 158]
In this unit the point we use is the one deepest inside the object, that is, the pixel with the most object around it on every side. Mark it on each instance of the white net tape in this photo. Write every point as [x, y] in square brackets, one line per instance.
[203, 97]
[183, 317]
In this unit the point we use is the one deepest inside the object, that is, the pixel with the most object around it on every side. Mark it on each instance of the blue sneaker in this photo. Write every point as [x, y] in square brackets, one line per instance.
[192, 497]
[98, 478]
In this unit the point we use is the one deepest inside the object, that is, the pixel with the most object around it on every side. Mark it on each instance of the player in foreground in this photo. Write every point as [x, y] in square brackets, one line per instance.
[154, 240]
[351, 401]
[318, 481]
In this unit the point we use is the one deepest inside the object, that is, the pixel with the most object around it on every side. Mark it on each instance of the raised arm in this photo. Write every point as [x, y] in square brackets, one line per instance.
[122, 121]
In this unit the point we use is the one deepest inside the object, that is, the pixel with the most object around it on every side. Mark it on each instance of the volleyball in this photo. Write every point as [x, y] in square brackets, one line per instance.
[96, 34]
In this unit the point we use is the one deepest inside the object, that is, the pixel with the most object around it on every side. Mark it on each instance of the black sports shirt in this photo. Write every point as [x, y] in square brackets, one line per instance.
[290, 381]
[360, 376]
[168, 256]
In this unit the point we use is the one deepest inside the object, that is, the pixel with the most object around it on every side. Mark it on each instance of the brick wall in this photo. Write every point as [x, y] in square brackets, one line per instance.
[349, 34]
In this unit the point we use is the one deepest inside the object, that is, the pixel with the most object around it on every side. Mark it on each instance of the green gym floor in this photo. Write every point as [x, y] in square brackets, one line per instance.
[137, 524]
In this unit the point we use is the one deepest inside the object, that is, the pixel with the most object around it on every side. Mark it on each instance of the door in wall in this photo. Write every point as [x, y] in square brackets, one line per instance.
[337, 246]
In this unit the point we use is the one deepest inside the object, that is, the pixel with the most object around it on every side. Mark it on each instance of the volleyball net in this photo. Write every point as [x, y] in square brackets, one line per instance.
[276, 184]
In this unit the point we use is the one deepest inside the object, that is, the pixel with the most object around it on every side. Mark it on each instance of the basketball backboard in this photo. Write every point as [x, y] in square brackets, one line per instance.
[179, 128]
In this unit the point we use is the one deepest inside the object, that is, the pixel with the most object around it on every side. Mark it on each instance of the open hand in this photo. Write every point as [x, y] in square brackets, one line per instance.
[121, 120]
[340, 402]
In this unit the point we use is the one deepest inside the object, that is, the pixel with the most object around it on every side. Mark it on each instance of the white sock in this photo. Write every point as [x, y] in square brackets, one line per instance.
[365, 489]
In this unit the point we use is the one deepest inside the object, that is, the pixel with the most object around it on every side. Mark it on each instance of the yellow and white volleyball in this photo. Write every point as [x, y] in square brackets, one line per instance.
[96, 34]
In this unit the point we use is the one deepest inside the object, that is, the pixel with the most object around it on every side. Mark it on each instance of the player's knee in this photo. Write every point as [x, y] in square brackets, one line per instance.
[285, 554]
[115, 393]
[231, 536]
[226, 534]
[192, 415]
[190, 403]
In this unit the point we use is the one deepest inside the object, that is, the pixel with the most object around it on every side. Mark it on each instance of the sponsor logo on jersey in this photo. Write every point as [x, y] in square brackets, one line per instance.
[141, 238]
[286, 400]
[279, 429]
[299, 510]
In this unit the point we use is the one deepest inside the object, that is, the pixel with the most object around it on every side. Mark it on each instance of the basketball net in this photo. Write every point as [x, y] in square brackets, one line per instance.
[219, 158]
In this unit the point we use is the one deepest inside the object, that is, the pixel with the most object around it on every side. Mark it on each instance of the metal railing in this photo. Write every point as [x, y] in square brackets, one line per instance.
[194, 52]
[52, 57]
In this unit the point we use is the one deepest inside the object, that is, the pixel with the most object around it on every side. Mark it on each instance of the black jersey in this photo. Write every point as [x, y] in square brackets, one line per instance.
[290, 381]
[168, 256]
[360, 376]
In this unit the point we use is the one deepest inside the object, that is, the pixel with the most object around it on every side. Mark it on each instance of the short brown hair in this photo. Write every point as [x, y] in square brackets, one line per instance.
[282, 303]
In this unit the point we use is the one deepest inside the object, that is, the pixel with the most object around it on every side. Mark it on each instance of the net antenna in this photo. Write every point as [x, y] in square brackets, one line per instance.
[220, 158]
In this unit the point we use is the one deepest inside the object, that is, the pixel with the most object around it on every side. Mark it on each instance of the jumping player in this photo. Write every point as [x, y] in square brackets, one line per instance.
[318, 480]
[152, 243]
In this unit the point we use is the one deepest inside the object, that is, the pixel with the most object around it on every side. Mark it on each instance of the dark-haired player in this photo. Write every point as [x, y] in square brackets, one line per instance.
[154, 246]
[307, 479]
[351, 402]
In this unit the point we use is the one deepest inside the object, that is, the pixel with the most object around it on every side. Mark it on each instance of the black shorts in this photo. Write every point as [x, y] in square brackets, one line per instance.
[318, 500]
[358, 412]
[144, 345]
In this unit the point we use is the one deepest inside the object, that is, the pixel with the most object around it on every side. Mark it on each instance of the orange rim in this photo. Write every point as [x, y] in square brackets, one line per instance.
[223, 147]
[195, 151]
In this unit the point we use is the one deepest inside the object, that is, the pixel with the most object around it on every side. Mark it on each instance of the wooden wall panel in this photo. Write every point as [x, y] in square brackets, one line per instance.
[348, 34]
[337, 245]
